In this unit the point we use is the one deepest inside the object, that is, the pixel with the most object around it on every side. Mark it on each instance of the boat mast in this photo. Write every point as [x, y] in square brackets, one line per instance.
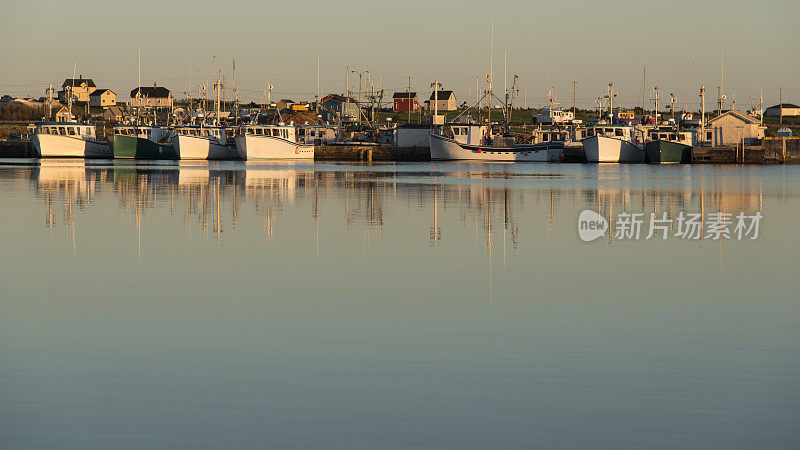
[491, 71]
[71, 86]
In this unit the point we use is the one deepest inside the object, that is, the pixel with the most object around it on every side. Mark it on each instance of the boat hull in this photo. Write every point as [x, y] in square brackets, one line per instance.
[58, 146]
[140, 148]
[195, 147]
[553, 151]
[271, 147]
[446, 149]
[665, 152]
[603, 149]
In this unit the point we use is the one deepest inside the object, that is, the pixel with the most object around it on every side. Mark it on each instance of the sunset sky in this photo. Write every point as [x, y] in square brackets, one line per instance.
[591, 42]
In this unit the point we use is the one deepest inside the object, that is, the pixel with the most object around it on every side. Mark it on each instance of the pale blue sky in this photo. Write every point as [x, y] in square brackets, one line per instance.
[592, 42]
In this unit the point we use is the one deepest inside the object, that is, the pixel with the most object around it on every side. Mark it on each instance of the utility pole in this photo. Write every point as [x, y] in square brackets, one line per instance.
[574, 84]
[410, 104]
[50, 102]
[702, 113]
[316, 98]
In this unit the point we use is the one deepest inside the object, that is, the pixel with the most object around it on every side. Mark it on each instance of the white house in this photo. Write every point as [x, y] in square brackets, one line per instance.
[788, 109]
[733, 128]
[445, 101]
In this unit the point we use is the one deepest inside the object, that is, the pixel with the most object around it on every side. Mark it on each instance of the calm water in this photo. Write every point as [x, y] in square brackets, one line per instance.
[392, 306]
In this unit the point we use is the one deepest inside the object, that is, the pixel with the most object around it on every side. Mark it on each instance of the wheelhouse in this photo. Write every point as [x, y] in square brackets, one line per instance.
[287, 132]
[72, 129]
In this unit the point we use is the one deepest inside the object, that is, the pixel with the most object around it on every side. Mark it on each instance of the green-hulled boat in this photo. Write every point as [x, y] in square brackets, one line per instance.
[142, 142]
[668, 147]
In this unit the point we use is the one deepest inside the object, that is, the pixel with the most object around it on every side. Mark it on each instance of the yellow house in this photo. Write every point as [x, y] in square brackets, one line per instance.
[103, 98]
[81, 88]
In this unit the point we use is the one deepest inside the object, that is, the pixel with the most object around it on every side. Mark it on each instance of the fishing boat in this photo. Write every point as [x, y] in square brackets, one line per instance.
[666, 145]
[554, 140]
[142, 142]
[475, 142]
[272, 142]
[610, 143]
[204, 142]
[68, 139]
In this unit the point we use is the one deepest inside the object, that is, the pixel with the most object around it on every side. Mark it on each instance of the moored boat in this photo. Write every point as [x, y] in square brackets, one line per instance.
[613, 144]
[665, 146]
[473, 142]
[142, 142]
[68, 140]
[201, 142]
[271, 142]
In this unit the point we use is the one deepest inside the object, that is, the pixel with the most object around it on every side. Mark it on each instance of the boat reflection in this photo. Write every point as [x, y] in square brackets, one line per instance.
[479, 197]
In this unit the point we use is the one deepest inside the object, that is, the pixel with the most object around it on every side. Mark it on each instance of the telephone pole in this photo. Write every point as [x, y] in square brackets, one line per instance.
[574, 84]
[410, 104]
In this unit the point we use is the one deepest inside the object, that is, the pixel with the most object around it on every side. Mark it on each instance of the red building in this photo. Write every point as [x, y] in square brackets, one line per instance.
[405, 101]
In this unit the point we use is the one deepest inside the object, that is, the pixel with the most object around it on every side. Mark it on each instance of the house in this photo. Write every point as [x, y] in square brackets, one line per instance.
[405, 101]
[81, 88]
[156, 97]
[446, 101]
[733, 128]
[63, 115]
[784, 109]
[113, 114]
[102, 98]
[346, 109]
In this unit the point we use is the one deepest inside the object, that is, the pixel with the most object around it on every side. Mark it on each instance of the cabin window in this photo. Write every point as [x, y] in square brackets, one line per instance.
[457, 131]
[62, 131]
[286, 134]
[589, 132]
[276, 132]
[618, 132]
[545, 137]
[673, 137]
[708, 135]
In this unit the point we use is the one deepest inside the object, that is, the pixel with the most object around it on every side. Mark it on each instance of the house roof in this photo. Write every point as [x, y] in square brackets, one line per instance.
[404, 95]
[442, 95]
[99, 92]
[75, 82]
[151, 92]
[739, 115]
[784, 105]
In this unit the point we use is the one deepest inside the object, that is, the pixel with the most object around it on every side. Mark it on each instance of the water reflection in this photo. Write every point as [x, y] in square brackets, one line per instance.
[486, 198]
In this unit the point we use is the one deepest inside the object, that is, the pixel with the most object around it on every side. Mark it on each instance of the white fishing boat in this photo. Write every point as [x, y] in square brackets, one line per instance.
[272, 142]
[204, 142]
[474, 142]
[554, 140]
[68, 139]
[606, 143]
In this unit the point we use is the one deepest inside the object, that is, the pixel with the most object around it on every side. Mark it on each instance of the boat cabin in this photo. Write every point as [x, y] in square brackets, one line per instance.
[287, 132]
[222, 135]
[74, 129]
[469, 134]
[317, 134]
[670, 135]
[612, 131]
[154, 134]
[554, 116]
